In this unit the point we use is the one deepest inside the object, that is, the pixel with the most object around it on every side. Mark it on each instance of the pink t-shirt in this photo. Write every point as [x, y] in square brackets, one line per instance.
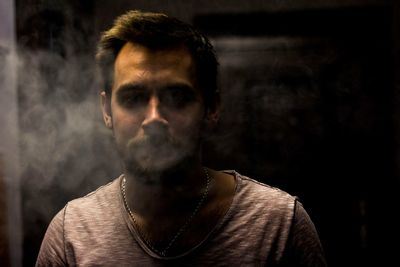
[264, 226]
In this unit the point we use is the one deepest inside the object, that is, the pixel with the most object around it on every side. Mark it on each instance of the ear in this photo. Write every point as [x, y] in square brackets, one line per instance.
[106, 109]
[212, 115]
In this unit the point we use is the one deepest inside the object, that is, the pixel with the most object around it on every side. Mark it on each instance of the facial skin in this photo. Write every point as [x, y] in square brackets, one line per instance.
[156, 110]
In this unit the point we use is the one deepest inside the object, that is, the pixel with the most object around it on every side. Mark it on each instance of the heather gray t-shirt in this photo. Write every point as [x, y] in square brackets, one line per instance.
[264, 226]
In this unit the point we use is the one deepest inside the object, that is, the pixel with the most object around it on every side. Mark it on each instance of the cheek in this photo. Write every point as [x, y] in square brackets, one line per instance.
[125, 125]
[187, 125]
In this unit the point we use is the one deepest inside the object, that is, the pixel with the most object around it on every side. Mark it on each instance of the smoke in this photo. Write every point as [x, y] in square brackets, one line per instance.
[66, 151]
[62, 137]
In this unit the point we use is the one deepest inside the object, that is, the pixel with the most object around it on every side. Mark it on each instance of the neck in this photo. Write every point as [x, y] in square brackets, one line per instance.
[163, 194]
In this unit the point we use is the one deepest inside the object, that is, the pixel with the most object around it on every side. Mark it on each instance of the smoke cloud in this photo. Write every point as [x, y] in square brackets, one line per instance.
[62, 137]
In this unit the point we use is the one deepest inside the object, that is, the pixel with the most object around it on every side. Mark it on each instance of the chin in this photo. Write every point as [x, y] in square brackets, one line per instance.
[156, 166]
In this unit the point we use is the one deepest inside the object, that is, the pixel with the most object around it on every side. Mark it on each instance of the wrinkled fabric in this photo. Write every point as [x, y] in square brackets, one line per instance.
[264, 226]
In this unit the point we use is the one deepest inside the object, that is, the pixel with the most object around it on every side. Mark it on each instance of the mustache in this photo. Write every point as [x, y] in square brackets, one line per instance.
[155, 133]
[153, 140]
[154, 146]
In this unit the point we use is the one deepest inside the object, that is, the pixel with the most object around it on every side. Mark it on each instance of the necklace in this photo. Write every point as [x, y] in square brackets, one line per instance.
[183, 227]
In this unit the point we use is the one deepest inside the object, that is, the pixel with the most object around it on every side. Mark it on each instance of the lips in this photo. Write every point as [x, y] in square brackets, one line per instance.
[153, 148]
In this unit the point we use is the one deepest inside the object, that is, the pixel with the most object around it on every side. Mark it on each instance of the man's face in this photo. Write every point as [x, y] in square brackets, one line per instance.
[156, 110]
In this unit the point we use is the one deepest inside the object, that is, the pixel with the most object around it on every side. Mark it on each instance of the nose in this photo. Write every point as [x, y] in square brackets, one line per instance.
[153, 114]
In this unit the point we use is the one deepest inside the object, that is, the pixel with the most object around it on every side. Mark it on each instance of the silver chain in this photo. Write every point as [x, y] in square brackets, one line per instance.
[183, 227]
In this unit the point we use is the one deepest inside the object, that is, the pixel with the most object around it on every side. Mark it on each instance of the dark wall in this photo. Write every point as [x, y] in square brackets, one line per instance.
[308, 106]
[309, 110]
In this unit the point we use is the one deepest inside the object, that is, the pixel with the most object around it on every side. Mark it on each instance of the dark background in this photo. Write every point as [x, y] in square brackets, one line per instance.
[309, 105]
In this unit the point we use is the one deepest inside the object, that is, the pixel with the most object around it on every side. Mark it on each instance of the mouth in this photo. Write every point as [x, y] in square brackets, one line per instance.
[154, 155]
[152, 146]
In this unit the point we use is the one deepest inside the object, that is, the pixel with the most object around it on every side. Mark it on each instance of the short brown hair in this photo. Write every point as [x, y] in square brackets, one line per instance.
[158, 31]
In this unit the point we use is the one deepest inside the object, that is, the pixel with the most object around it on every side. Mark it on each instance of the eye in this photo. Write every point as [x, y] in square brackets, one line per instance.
[177, 97]
[133, 99]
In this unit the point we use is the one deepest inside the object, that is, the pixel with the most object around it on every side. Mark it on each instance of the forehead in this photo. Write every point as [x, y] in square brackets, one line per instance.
[135, 61]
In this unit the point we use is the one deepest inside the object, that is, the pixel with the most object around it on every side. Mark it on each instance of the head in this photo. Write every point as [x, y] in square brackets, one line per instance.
[158, 31]
[159, 92]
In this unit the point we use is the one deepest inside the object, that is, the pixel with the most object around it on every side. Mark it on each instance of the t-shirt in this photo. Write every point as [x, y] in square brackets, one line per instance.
[264, 226]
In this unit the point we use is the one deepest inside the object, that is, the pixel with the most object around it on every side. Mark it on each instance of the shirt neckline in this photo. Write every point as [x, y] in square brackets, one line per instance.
[137, 237]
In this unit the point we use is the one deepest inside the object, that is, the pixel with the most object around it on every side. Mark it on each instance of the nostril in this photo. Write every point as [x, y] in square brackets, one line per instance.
[155, 126]
[156, 130]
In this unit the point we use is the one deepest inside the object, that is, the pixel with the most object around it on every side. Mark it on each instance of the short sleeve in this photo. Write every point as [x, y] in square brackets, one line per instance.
[52, 249]
[304, 247]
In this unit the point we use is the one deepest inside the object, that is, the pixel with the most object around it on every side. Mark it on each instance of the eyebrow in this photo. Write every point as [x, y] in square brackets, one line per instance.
[130, 87]
[125, 88]
[179, 86]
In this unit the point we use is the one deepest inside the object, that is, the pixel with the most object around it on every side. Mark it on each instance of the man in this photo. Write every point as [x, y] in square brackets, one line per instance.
[160, 99]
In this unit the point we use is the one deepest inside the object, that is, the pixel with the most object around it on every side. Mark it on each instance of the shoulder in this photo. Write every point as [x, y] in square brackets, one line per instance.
[52, 249]
[95, 201]
[87, 214]
[85, 206]
[263, 196]
[93, 218]
[256, 206]
[258, 222]
[284, 216]
[88, 223]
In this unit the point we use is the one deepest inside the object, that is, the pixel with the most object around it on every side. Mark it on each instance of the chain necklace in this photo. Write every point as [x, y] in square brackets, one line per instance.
[183, 227]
